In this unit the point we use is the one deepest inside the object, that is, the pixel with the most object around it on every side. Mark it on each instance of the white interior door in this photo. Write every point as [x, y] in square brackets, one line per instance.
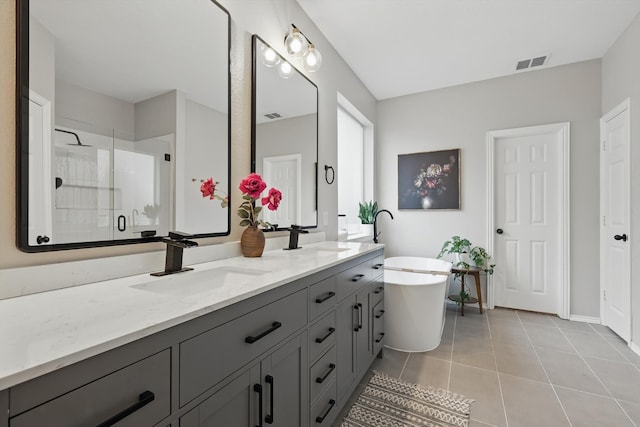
[615, 256]
[530, 230]
[285, 174]
[40, 180]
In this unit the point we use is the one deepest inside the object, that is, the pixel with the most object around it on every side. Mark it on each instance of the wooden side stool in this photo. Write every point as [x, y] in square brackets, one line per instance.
[475, 273]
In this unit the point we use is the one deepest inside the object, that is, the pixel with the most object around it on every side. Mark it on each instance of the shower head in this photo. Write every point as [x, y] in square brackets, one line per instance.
[78, 143]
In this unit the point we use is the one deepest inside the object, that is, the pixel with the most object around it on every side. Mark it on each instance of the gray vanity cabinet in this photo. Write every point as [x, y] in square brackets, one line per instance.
[272, 391]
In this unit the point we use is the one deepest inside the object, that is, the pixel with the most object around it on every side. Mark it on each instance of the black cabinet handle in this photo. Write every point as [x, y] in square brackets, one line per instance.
[321, 339]
[378, 290]
[380, 313]
[320, 419]
[355, 307]
[122, 223]
[269, 418]
[360, 316]
[258, 389]
[619, 237]
[274, 326]
[381, 336]
[320, 380]
[144, 399]
[377, 266]
[357, 277]
[326, 297]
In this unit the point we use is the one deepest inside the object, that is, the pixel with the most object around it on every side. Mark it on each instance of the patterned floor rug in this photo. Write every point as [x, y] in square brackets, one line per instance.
[390, 402]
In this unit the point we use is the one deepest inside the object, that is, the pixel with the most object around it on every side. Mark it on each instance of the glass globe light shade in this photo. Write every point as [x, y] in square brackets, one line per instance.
[312, 59]
[269, 56]
[285, 70]
[296, 43]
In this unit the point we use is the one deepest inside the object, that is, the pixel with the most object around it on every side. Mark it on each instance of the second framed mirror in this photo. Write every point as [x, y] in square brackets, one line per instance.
[284, 144]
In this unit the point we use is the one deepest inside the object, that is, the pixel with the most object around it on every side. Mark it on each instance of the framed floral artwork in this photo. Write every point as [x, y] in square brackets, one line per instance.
[429, 180]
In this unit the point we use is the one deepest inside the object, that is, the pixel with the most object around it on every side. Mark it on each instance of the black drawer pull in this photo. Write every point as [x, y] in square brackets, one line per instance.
[269, 418]
[319, 420]
[321, 339]
[380, 313]
[326, 297]
[258, 389]
[320, 380]
[357, 277]
[378, 290]
[377, 266]
[359, 324]
[381, 336]
[274, 326]
[144, 399]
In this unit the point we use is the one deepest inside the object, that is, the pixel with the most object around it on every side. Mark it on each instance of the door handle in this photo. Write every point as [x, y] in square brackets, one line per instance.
[619, 237]
[499, 231]
[269, 418]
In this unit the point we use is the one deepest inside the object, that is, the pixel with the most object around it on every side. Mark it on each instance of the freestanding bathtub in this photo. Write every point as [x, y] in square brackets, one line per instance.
[414, 302]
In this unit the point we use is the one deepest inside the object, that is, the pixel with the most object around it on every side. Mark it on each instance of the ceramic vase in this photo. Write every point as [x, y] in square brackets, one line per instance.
[252, 242]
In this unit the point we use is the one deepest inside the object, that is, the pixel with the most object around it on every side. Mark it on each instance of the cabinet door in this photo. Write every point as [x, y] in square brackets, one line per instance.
[364, 351]
[234, 405]
[345, 344]
[285, 385]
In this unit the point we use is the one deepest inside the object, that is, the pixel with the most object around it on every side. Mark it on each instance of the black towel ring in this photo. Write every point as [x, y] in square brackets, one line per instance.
[328, 168]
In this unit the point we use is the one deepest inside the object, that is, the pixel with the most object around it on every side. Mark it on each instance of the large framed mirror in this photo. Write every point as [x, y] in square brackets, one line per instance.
[285, 136]
[123, 110]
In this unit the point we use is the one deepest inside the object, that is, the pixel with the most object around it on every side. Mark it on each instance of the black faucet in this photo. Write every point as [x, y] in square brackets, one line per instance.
[176, 242]
[375, 224]
[295, 231]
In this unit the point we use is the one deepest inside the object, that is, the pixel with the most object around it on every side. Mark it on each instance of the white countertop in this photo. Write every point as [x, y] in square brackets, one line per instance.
[43, 332]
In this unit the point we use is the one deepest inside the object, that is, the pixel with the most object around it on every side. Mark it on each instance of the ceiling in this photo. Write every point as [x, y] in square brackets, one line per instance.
[400, 47]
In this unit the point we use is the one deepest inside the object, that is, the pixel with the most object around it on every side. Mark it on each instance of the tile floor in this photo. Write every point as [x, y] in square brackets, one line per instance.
[527, 370]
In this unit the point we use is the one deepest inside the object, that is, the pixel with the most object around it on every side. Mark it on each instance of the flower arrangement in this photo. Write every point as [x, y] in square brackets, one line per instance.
[252, 187]
[431, 180]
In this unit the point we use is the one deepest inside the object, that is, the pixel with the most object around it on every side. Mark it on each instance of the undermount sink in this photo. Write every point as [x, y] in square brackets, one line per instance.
[325, 251]
[197, 282]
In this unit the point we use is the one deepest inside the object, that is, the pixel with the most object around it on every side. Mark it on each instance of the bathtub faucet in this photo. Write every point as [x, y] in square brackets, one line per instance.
[375, 224]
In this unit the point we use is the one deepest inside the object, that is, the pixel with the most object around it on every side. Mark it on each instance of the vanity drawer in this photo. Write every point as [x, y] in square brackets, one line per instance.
[325, 409]
[143, 387]
[377, 291]
[322, 297]
[322, 335]
[378, 327]
[322, 373]
[377, 266]
[352, 279]
[208, 358]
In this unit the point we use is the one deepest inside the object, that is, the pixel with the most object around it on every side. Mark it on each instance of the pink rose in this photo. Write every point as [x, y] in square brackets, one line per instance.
[208, 188]
[253, 185]
[272, 201]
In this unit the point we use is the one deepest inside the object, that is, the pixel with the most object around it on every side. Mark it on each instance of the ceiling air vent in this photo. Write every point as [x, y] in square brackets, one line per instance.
[540, 60]
[530, 63]
[272, 116]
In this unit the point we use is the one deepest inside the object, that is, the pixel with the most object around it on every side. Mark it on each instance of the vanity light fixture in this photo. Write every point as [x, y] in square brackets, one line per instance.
[298, 45]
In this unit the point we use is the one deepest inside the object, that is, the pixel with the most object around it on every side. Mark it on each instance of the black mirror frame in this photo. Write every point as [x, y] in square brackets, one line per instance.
[22, 144]
[254, 69]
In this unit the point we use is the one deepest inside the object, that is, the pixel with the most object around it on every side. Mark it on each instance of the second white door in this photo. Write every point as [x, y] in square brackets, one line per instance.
[530, 201]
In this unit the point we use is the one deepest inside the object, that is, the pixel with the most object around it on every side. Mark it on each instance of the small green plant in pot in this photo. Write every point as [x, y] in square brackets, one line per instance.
[367, 212]
[466, 255]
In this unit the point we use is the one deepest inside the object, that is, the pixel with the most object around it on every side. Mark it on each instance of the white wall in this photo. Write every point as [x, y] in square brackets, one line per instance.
[620, 80]
[459, 117]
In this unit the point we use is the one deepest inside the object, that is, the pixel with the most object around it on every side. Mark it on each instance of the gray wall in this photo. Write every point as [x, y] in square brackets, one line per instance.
[459, 117]
[621, 80]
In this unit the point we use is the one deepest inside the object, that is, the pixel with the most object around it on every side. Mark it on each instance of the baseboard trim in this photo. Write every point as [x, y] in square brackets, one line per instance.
[584, 319]
[635, 348]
